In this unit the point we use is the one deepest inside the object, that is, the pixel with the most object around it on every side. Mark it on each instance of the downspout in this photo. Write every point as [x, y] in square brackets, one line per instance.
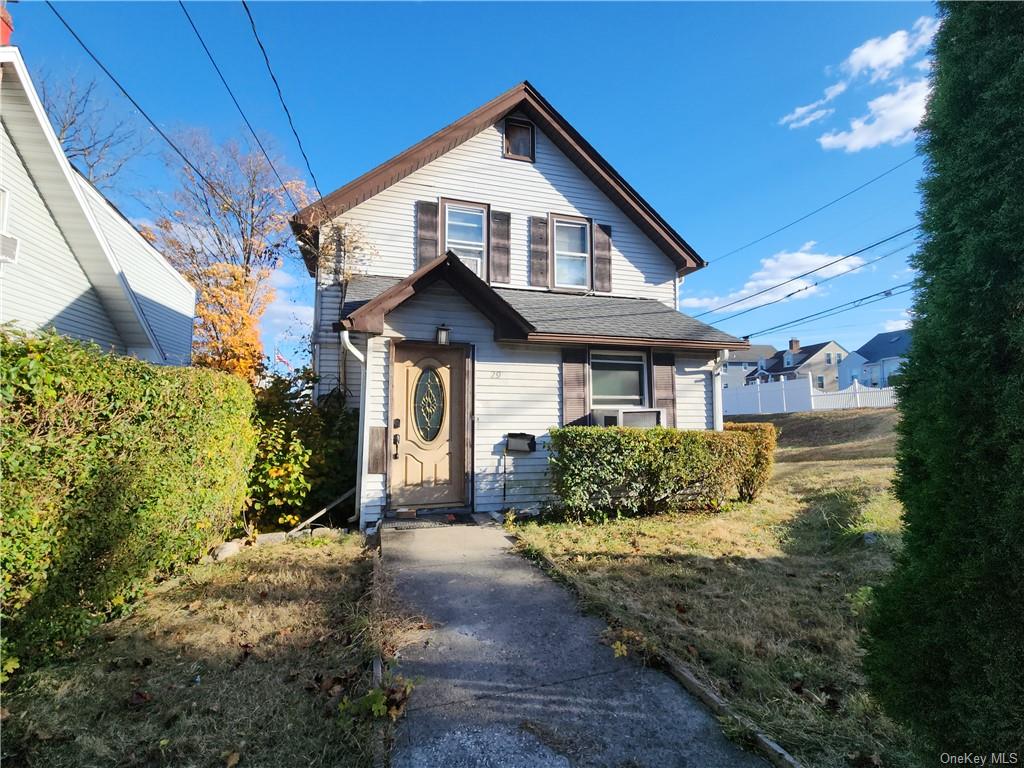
[346, 342]
[716, 390]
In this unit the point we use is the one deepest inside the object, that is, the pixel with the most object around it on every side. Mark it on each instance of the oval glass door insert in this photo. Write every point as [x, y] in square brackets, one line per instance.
[428, 404]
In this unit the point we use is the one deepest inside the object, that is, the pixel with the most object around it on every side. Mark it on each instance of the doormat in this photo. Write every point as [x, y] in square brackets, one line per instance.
[429, 521]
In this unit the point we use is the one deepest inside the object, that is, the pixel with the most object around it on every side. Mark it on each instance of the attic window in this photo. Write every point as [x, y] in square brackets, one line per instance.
[519, 140]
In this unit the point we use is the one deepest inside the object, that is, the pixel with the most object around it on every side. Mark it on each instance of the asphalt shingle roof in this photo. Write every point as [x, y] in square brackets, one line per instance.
[775, 363]
[574, 314]
[891, 344]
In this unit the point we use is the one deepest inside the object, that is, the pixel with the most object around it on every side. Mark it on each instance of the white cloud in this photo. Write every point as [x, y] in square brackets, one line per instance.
[810, 113]
[776, 269]
[893, 116]
[891, 119]
[880, 57]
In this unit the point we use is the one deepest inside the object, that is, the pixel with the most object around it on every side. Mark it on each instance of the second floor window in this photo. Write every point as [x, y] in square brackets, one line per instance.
[828, 358]
[465, 233]
[572, 253]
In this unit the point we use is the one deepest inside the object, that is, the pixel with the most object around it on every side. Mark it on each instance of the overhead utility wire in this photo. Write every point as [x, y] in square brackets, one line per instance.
[280, 96]
[887, 295]
[137, 106]
[819, 282]
[816, 210]
[811, 271]
[838, 309]
[238, 106]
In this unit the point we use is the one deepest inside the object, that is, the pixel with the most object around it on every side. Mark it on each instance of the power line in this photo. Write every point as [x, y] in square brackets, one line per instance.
[213, 189]
[816, 210]
[238, 106]
[280, 96]
[819, 282]
[809, 272]
[839, 308]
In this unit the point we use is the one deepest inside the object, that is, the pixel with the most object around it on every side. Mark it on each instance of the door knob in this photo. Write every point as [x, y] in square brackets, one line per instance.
[396, 440]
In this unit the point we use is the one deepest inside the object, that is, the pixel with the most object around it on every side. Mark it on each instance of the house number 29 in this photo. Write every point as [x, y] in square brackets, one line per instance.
[495, 374]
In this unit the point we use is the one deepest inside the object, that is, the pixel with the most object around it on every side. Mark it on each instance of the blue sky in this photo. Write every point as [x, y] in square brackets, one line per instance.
[731, 119]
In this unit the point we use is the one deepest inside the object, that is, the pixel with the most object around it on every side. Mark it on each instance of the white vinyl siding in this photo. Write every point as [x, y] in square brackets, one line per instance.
[694, 403]
[166, 300]
[476, 170]
[47, 287]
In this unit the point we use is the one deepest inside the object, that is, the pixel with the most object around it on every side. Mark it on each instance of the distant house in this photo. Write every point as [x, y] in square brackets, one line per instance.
[69, 260]
[874, 363]
[743, 361]
[819, 361]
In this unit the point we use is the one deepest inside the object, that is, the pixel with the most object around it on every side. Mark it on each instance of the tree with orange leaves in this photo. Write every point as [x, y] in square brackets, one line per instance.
[227, 232]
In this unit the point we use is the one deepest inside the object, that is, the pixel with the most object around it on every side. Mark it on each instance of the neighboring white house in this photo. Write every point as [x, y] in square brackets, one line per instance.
[743, 361]
[70, 260]
[877, 360]
[819, 362]
[517, 282]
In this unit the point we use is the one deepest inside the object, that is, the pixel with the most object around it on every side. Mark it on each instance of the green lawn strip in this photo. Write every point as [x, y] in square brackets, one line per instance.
[242, 661]
[764, 601]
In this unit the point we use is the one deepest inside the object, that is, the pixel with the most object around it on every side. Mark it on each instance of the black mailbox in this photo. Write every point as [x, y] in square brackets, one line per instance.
[520, 442]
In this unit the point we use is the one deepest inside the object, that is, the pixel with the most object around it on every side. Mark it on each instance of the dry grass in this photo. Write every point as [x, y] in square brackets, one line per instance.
[765, 601]
[244, 660]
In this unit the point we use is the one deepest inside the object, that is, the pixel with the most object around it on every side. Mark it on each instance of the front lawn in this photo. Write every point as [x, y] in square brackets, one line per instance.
[764, 601]
[242, 662]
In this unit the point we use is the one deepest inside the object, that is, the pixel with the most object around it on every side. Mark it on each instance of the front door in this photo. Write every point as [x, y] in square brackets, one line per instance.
[428, 426]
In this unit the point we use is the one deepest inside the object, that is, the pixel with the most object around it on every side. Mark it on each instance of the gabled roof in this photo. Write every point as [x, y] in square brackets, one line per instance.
[61, 188]
[890, 344]
[753, 354]
[525, 99]
[776, 363]
[535, 316]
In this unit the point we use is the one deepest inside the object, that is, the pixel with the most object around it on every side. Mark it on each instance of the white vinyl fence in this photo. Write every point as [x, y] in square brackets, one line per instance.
[795, 395]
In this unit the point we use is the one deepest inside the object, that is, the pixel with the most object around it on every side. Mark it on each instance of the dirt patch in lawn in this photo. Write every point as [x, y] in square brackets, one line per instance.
[842, 435]
[764, 601]
[242, 662]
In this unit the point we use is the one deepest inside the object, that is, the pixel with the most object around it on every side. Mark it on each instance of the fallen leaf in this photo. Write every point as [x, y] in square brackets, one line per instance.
[680, 608]
[194, 606]
[4, 713]
[232, 760]
[139, 698]
[692, 650]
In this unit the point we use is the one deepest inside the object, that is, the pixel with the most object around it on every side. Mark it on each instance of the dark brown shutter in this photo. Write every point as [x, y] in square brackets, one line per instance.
[665, 385]
[602, 258]
[539, 250]
[574, 388]
[499, 246]
[426, 232]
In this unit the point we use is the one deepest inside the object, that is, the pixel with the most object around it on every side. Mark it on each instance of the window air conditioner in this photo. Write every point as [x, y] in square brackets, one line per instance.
[630, 417]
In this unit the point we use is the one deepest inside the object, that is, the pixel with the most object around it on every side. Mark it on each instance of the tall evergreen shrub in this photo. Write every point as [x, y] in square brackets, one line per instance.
[946, 650]
[113, 470]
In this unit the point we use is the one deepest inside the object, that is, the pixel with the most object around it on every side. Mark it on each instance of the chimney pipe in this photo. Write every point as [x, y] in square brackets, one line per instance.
[6, 25]
[794, 345]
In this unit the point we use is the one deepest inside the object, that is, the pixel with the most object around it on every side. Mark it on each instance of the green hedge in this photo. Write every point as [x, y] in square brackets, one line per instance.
[113, 470]
[602, 471]
[758, 471]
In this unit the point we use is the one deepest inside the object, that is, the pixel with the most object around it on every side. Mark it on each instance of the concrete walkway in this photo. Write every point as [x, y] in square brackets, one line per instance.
[512, 673]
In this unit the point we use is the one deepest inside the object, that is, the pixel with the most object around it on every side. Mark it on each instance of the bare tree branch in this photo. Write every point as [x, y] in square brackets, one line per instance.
[98, 143]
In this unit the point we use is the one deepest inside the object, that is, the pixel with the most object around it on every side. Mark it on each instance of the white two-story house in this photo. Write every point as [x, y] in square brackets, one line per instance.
[515, 282]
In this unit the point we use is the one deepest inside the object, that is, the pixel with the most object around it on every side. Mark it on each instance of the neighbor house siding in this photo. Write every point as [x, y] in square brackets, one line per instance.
[166, 300]
[476, 171]
[46, 287]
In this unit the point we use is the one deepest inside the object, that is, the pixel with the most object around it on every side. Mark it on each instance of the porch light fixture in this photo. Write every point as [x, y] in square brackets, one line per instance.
[443, 333]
